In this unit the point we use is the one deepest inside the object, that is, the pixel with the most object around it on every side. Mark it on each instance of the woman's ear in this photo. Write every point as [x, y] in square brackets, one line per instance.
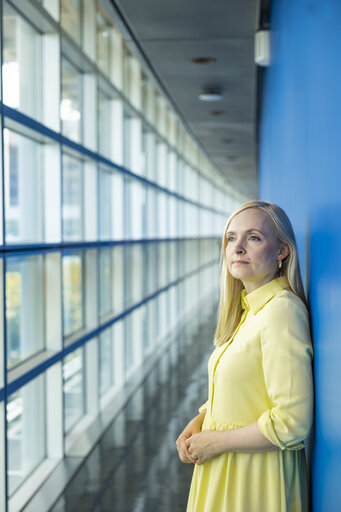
[284, 251]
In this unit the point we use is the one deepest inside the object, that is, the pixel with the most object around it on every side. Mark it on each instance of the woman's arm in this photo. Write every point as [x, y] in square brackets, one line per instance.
[211, 443]
[193, 427]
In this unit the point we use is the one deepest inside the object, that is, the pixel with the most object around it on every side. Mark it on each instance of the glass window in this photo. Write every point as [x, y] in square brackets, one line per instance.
[104, 128]
[105, 281]
[151, 220]
[71, 18]
[136, 273]
[162, 217]
[127, 72]
[105, 206]
[127, 140]
[70, 107]
[128, 258]
[103, 42]
[72, 293]
[105, 360]
[163, 264]
[24, 316]
[152, 272]
[74, 396]
[72, 198]
[137, 207]
[25, 431]
[118, 279]
[23, 189]
[172, 259]
[21, 64]
[128, 345]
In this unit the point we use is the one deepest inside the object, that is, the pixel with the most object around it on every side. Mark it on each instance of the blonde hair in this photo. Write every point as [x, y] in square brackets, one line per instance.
[230, 309]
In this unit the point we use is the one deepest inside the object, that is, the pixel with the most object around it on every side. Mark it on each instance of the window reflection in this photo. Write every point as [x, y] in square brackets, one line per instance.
[25, 431]
[23, 188]
[70, 107]
[70, 18]
[21, 63]
[73, 377]
[72, 198]
[72, 293]
[103, 42]
[118, 279]
[105, 359]
[104, 113]
[105, 281]
[105, 219]
[24, 316]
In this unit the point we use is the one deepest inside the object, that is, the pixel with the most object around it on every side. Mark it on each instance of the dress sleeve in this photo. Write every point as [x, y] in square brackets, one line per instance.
[203, 407]
[286, 358]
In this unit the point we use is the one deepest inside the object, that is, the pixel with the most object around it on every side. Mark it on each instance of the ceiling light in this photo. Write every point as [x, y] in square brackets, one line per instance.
[211, 95]
[218, 112]
[203, 60]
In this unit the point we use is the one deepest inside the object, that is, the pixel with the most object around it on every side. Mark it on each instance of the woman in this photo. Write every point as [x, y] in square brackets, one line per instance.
[247, 442]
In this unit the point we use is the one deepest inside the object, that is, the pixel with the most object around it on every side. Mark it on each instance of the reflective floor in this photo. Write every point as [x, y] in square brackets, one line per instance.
[135, 466]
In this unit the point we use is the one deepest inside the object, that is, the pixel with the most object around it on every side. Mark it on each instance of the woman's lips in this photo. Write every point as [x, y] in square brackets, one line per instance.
[240, 262]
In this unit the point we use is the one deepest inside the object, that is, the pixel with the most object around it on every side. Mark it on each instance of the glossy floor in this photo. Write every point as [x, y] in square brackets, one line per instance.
[135, 466]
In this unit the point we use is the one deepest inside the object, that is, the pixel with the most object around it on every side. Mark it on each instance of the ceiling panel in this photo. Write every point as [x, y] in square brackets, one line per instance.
[171, 34]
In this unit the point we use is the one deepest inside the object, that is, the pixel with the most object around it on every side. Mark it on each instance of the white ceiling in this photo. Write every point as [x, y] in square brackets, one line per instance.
[171, 34]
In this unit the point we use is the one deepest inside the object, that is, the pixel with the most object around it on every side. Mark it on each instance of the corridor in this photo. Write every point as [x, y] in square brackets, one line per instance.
[135, 467]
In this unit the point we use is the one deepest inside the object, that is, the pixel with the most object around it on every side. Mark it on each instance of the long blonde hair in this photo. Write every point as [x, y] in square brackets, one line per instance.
[230, 309]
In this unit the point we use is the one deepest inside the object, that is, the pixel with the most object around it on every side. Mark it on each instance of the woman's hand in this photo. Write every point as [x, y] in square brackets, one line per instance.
[204, 446]
[193, 427]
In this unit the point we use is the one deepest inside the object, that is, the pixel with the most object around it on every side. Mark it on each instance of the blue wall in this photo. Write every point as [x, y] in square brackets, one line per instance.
[300, 169]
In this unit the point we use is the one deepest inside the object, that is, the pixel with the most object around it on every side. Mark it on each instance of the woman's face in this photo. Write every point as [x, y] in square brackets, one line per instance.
[253, 250]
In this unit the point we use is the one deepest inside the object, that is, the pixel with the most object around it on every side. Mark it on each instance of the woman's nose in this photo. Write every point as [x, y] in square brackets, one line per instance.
[239, 249]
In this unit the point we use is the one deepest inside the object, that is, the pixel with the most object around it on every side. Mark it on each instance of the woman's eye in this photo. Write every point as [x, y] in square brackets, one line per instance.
[230, 238]
[254, 237]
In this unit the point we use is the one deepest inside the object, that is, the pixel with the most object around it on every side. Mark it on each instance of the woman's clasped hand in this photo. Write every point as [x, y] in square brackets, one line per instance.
[204, 446]
[192, 429]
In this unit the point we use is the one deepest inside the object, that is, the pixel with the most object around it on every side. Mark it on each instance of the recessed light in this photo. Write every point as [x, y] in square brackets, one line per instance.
[218, 112]
[211, 95]
[203, 60]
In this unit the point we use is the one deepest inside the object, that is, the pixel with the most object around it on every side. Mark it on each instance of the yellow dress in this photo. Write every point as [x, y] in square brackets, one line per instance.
[263, 373]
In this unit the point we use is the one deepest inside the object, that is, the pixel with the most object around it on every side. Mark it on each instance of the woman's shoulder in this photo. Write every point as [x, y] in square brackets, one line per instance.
[285, 304]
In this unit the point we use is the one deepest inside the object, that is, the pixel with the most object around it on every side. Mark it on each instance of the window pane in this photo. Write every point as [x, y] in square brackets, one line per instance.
[118, 281]
[105, 281]
[72, 198]
[103, 43]
[21, 64]
[72, 293]
[105, 184]
[70, 107]
[128, 345]
[24, 316]
[105, 359]
[25, 431]
[104, 130]
[73, 375]
[70, 18]
[23, 189]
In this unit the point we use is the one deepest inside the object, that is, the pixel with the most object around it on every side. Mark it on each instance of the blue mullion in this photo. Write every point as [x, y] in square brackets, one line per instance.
[41, 368]
[83, 245]
[38, 127]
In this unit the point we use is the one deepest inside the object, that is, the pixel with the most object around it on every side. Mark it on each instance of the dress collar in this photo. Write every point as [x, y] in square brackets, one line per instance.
[258, 298]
